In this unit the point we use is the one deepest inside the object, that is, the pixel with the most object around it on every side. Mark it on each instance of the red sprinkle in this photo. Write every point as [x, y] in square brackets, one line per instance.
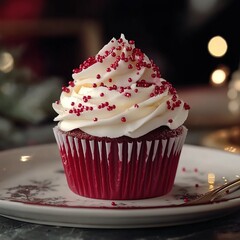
[123, 119]
[153, 75]
[120, 40]
[130, 66]
[136, 105]
[186, 106]
[127, 94]
[65, 89]
[71, 83]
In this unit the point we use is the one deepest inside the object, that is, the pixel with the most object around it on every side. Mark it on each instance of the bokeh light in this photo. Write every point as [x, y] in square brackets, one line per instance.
[218, 76]
[211, 181]
[25, 158]
[6, 62]
[217, 46]
[234, 93]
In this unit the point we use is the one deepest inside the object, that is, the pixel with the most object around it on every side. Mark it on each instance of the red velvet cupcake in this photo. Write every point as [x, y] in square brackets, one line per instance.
[120, 131]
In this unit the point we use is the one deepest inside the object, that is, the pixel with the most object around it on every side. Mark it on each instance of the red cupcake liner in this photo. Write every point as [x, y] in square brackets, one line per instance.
[119, 170]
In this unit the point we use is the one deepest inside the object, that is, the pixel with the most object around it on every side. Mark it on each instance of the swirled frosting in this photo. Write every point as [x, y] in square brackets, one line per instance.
[119, 92]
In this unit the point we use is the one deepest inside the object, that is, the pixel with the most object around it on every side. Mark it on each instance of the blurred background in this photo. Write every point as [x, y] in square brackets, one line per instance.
[196, 44]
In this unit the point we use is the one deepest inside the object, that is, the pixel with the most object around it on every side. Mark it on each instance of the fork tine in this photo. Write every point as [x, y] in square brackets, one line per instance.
[224, 189]
[214, 194]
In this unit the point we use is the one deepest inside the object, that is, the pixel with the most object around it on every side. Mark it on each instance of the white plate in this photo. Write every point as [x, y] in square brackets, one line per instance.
[33, 189]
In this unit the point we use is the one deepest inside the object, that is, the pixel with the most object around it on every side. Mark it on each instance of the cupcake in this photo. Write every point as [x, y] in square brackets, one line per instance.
[120, 127]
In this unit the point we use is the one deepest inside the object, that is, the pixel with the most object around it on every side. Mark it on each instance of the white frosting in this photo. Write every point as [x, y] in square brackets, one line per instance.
[119, 92]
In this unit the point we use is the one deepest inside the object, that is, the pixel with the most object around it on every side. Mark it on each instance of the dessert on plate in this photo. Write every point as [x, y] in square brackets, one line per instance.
[120, 127]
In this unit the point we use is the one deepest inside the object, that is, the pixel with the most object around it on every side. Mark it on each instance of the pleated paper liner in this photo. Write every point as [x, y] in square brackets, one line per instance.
[119, 170]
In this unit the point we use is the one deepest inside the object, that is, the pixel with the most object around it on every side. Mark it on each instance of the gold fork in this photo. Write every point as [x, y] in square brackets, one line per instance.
[215, 194]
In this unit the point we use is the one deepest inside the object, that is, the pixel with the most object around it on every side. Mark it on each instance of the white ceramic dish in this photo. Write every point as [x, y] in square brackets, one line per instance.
[33, 189]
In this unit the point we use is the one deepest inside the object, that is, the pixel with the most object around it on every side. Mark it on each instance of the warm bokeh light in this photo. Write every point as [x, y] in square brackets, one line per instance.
[224, 179]
[25, 158]
[233, 106]
[236, 84]
[6, 62]
[230, 149]
[211, 178]
[218, 76]
[234, 93]
[217, 46]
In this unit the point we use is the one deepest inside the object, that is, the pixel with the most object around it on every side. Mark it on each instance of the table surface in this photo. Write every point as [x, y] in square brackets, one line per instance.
[227, 227]
[222, 229]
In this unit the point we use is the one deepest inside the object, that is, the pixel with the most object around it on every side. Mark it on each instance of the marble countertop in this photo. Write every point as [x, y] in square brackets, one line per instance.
[222, 228]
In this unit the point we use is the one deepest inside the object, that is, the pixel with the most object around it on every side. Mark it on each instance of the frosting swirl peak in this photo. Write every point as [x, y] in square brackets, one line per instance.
[119, 92]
